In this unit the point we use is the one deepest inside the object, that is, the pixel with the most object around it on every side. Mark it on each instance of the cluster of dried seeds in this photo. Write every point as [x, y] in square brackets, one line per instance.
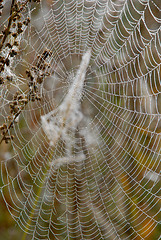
[37, 74]
[9, 44]
[4, 131]
[16, 107]
[18, 101]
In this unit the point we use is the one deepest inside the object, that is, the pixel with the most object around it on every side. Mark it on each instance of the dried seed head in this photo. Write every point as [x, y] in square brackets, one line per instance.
[9, 118]
[1, 128]
[13, 24]
[19, 30]
[13, 53]
[14, 102]
[2, 60]
[16, 109]
[1, 80]
[28, 73]
[1, 67]
[8, 45]
[39, 79]
[47, 53]
[15, 43]
[14, 35]
[19, 25]
[14, 19]
[11, 105]
[4, 125]
[24, 101]
[7, 61]
[20, 97]
[9, 78]
[38, 98]
[26, 22]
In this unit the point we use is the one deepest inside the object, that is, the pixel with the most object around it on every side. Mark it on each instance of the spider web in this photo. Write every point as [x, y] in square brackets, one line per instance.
[96, 176]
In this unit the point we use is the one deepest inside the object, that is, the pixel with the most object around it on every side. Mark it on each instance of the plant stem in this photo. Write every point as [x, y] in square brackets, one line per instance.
[24, 237]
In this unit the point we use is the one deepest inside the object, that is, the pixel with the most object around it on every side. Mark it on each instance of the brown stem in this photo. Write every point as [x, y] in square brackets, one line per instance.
[12, 15]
